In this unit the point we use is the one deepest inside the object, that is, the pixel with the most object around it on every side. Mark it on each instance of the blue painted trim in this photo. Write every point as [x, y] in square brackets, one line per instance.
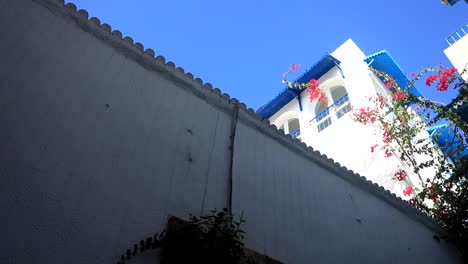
[326, 63]
[452, 2]
[300, 101]
[383, 61]
[296, 133]
[341, 70]
[446, 135]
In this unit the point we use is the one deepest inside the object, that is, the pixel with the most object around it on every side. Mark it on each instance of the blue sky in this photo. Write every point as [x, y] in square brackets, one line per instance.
[243, 47]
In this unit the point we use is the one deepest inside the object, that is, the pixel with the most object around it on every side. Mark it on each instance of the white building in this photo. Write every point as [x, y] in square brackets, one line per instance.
[345, 77]
[457, 52]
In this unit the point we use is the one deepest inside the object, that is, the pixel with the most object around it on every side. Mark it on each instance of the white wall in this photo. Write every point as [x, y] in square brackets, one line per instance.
[457, 53]
[101, 142]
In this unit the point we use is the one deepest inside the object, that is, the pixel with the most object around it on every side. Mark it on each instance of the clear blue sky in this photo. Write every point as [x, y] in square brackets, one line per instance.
[242, 47]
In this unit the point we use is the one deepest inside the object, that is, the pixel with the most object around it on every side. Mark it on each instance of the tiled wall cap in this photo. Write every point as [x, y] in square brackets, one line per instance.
[150, 52]
[106, 27]
[139, 46]
[70, 6]
[95, 20]
[83, 13]
[117, 33]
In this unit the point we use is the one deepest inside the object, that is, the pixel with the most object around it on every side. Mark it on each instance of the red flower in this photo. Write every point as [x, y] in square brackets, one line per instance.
[315, 93]
[295, 67]
[386, 136]
[431, 79]
[400, 175]
[413, 74]
[399, 95]
[366, 115]
[408, 191]
[372, 148]
[444, 79]
[388, 153]
[389, 82]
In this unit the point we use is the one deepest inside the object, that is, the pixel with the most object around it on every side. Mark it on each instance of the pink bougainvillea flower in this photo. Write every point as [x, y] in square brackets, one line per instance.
[295, 67]
[431, 79]
[366, 115]
[372, 148]
[388, 154]
[314, 84]
[399, 95]
[400, 175]
[315, 93]
[408, 191]
[413, 74]
[390, 82]
[386, 136]
[444, 79]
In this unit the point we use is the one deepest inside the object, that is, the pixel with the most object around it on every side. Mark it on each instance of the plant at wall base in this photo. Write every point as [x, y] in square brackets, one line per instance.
[444, 194]
[213, 238]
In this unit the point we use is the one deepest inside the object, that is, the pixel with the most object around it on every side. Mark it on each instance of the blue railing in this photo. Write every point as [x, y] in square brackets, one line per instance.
[296, 133]
[322, 114]
[457, 35]
[341, 107]
[341, 101]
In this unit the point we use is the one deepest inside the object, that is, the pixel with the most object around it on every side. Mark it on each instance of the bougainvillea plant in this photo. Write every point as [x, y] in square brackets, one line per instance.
[434, 178]
[312, 87]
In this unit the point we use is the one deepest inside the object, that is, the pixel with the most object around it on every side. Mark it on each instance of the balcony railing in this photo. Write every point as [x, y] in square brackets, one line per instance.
[342, 106]
[324, 119]
[457, 35]
[296, 133]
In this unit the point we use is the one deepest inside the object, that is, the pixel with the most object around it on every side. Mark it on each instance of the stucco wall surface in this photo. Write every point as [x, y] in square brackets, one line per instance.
[100, 142]
[457, 53]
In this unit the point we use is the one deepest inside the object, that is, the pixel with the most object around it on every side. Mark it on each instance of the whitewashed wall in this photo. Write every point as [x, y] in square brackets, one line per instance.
[100, 142]
[457, 53]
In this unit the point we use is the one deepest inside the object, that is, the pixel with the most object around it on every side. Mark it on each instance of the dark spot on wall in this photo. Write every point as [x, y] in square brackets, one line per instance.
[189, 131]
[188, 157]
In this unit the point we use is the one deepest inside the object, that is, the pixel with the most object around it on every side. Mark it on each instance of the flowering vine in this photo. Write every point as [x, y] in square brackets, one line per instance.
[444, 194]
[312, 87]
[402, 119]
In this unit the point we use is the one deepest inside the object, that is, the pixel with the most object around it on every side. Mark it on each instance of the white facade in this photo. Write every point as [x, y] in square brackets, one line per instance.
[337, 135]
[457, 52]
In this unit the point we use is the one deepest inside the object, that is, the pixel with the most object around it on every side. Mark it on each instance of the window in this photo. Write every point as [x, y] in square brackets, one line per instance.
[294, 128]
[341, 101]
[322, 116]
[325, 115]
[291, 126]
